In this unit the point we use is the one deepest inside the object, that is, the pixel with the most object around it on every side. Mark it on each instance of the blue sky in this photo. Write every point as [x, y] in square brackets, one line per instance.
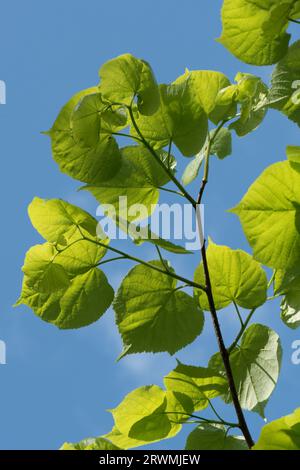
[57, 385]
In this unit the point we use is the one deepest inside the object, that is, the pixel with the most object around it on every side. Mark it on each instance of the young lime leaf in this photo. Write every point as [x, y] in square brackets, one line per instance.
[235, 277]
[201, 384]
[293, 155]
[281, 434]
[203, 87]
[269, 213]
[214, 437]
[288, 283]
[178, 118]
[44, 274]
[98, 443]
[57, 220]
[290, 309]
[93, 117]
[286, 280]
[143, 416]
[222, 144]
[192, 169]
[68, 291]
[86, 300]
[139, 179]
[285, 84]
[255, 31]
[88, 163]
[63, 286]
[125, 78]
[122, 440]
[152, 315]
[252, 94]
[255, 365]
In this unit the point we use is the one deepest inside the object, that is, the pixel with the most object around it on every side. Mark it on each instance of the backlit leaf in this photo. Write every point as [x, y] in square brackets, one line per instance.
[138, 179]
[270, 216]
[179, 118]
[125, 78]
[88, 163]
[255, 30]
[198, 383]
[255, 365]
[214, 437]
[152, 315]
[281, 434]
[235, 277]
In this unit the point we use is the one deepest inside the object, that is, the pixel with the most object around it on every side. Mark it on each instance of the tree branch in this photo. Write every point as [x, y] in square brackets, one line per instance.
[222, 348]
[241, 332]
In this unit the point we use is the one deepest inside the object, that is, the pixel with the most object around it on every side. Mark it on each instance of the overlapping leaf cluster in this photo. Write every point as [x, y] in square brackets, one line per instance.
[63, 279]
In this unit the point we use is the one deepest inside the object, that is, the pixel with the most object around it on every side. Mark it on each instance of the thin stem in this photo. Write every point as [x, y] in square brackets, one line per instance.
[110, 260]
[222, 348]
[145, 263]
[206, 420]
[159, 161]
[241, 332]
[271, 279]
[66, 247]
[207, 155]
[273, 297]
[169, 153]
[170, 191]
[215, 411]
[294, 21]
[161, 258]
[238, 314]
[122, 134]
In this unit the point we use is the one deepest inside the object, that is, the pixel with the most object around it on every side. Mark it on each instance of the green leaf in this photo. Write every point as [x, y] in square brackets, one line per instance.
[43, 272]
[290, 309]
[152, 315]
[281, 434]
[270, 217]
[285, 84]
[252, 95]
[85, 301]
[62, 284]
[255, 30]
[295, 14]
[93, 117]
[68, 291]
[80, 256]
[255, 365]
[125, 78]
[142, 415]
[203, 87]
[286, 280]
[59, 221]
[179, 118]
[235, 277]
[199, 383]
[293, 155]
[289, 285]
[222, 143]
[98, 443]
[138, 179]
[192, 169]
[213, 437]
[90, 164]
[122, 440]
